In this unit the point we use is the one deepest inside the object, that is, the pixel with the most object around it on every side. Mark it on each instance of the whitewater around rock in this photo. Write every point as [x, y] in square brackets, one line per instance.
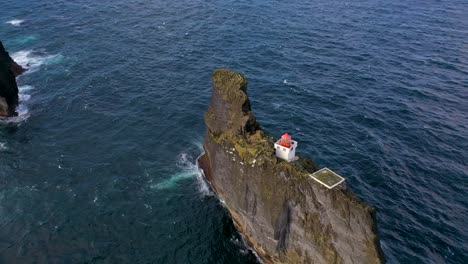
[9, 93]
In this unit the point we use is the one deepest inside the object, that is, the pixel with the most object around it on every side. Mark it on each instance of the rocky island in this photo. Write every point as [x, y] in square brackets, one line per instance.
[9, 70]
[282, 213]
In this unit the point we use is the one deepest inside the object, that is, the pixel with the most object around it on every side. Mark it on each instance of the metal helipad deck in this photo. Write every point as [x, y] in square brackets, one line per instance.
[327, 177]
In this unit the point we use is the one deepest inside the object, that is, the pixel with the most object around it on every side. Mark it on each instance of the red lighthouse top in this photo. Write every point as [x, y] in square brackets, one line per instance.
[285, 140]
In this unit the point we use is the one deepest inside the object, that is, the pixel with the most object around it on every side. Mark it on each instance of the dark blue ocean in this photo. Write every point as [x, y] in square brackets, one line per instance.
[99, 167]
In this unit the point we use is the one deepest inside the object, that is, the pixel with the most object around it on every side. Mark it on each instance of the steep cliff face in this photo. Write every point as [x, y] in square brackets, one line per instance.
[284, 215]
[9, 70]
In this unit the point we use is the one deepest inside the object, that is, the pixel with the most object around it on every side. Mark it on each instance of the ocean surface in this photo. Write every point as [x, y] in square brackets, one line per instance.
[100, 165]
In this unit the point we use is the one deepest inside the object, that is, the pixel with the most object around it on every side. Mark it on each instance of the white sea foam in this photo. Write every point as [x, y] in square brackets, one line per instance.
[3, 147]
[22, 109]
[188, 169]
[16, 22]
[24, 97]
[24, 89]
[33, 60]
[203, 186]
[23, 114]
[277, 105]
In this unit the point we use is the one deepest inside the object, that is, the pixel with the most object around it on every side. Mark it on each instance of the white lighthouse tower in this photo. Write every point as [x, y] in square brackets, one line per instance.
[286, 148]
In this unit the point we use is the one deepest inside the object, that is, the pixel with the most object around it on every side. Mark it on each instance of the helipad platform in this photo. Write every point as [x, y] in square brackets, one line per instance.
[327, 177]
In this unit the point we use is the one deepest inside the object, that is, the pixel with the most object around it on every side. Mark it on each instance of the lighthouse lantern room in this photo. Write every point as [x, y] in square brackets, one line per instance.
[286, 148]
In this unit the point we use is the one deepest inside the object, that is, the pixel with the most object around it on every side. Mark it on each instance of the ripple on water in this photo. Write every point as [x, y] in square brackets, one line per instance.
[372, 89]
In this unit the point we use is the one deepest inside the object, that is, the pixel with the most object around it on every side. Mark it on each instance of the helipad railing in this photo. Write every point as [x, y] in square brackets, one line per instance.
[327, 178]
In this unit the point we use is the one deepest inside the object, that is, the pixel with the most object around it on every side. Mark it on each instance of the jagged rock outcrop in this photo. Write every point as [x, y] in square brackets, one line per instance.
[283, 214]
[9, 70]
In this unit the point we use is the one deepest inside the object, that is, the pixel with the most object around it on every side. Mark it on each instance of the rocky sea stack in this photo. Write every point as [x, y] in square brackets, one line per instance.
[9, 70]
[283, 214]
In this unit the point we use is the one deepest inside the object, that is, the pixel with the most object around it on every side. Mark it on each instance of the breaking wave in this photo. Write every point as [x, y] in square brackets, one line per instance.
[3, 147]
[188, 169]
[32, 60]
[25, 89]
[16, 22]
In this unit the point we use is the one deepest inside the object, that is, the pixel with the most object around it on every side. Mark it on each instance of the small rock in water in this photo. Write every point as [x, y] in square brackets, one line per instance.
[9, 70]
[3, 107]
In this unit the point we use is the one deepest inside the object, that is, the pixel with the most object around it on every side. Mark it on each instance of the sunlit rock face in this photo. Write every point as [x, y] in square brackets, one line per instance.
[283, 214]
[9, 70]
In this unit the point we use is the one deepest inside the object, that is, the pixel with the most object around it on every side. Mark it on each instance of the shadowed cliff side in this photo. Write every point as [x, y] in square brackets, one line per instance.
[9, 70]
[283, 214]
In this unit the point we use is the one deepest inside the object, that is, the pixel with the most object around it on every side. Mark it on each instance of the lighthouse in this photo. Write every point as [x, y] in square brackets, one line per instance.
[286, 148]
